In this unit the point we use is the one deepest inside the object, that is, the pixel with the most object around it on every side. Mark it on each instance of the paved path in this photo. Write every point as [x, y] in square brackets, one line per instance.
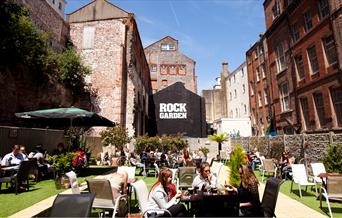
[286, 206]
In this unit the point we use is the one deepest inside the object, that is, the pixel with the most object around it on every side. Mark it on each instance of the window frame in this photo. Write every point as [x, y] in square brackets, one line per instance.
[280, 58]
[327, 51]
[321, 10]
[305, 111]
[320, 110]
[313, 60]
[285, 100]
[300, 68]
[307, 21]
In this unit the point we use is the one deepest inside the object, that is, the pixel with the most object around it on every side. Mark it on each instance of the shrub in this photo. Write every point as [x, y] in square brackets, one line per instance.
[333, 158]
[236, 159]
[62, 163]
[205, 150]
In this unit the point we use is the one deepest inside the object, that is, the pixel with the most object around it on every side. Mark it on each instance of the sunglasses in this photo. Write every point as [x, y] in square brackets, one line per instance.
[207, 171]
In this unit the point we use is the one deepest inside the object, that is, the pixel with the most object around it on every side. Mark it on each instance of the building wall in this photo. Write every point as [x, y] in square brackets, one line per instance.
[58, 6]
[237, 82]
[158, 58]
[112, 48]
[336, 20]
[47, 19]
[234, 126]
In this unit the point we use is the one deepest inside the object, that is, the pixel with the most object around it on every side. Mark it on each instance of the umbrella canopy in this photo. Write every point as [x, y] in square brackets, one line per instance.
[65, 117]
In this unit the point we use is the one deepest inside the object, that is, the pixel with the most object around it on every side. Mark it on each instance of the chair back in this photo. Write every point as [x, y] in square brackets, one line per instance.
[317, 168]
[268, 165]
[216, 168]
[299, 173]
[210, 160]
[142, 193]
[186, 175]
[223, 176]
[269, 199]
[129, 170]
[334, 185]
[157, 168]
[174, 175]
[101, 188]
[24, 169]
[73, 182]
[72, 205]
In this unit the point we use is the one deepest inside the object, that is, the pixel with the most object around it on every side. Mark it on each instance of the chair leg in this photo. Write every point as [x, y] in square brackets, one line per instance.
[263, 173]
[300, 190]
[291, 186]
[328, 204]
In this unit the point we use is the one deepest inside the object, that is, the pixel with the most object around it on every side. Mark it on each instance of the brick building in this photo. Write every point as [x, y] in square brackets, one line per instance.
[259, 87]
[108, 40]
[168, 65]
[304, 70]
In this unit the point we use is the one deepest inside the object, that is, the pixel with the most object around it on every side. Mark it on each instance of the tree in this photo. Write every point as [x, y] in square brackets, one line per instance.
[116, 136]
[219, 138]
[236, 159]
[333, 158]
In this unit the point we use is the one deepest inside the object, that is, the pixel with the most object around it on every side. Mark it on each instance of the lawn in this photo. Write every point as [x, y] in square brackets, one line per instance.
[11, 203]
[309, 198]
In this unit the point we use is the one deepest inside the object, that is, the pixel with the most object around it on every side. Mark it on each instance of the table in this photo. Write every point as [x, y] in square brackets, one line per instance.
[206, 204]
[324, 177]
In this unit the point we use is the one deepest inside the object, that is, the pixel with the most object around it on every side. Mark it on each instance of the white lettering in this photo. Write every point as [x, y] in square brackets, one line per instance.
[162, 107]
[169, 107]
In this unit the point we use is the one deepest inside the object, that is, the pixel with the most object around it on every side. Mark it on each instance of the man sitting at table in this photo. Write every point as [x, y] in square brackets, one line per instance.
[205, 179]
[13, 158]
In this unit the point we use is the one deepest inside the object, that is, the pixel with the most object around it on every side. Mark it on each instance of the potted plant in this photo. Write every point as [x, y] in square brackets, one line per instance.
[62, 164]
[219, 138]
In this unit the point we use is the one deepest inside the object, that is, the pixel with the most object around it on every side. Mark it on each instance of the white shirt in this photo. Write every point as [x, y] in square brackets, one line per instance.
[11, 159]
[199, 181]
[159, 199]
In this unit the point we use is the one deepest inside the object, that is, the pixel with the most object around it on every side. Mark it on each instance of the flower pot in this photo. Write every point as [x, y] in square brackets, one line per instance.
[62, 181]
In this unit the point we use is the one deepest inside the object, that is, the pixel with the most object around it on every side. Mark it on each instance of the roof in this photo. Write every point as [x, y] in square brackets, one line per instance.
[162, 40]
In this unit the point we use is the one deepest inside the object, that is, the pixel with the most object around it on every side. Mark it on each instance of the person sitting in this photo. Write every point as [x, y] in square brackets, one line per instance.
[159, 196]
[136, 163]
[118, 182]
[205, 180]
[59, 149]
[39, 155]
[13, 158]
[286, 162]
[248, 193]
[23, 151]
[255, 157]
[187, 158]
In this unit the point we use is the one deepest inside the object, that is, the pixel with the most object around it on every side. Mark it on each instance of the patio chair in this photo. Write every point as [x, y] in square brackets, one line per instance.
[73, 182]
[268, 166]
[223, 176]
[174, 176]
[185, 177]
[224, 157]
[300, 177]
[141, 193]
[104, 197]
[72, 205]
[216, 168]
[129, 170]
[332, 192]
[270, 196]
[18, 178]
[318, 168]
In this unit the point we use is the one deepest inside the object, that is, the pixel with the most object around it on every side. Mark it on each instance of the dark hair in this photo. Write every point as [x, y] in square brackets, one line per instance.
[202, 166]
[163, 175]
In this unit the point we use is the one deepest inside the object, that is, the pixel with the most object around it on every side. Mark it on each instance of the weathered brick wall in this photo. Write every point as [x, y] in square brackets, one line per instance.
[48, 20]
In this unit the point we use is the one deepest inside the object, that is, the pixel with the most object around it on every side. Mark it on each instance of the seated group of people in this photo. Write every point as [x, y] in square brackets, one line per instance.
[161, 197]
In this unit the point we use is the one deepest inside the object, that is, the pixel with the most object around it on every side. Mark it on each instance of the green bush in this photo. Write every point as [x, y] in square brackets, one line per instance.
[333, 158]
[236, 159]
[205, 150]
[62, 163]
[116, 136]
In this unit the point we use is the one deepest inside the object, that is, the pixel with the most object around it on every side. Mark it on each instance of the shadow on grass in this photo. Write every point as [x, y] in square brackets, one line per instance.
[304, 193]
[95, 171]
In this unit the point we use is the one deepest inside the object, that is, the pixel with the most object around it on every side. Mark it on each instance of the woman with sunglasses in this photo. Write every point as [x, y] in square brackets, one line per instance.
[205, 180]
[159, 196]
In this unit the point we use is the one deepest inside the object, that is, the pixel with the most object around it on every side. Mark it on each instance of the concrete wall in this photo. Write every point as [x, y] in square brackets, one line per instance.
[232, 126]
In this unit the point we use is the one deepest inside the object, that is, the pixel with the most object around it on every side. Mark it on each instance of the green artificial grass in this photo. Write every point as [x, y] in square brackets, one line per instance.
[309, 198]
[11, 203]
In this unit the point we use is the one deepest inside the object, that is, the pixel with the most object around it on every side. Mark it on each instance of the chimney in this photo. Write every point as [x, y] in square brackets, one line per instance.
[225, 69]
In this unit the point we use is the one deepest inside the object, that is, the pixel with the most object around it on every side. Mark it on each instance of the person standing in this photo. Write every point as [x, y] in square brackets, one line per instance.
[159, 196]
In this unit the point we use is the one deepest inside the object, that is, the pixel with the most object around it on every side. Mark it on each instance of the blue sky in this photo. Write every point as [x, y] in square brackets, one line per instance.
[208, 31]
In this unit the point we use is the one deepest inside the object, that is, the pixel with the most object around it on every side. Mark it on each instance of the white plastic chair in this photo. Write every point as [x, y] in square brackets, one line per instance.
[216, 168]
[129, 170]
[73, 182]
[300, 177]
[141, 193]
[318, 168]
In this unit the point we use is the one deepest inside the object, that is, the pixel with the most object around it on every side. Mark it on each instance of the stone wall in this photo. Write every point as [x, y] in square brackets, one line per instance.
[310, 146]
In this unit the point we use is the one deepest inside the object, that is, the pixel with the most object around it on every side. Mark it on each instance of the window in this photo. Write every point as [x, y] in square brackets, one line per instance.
[230, 82]
[231, 113]
[168, 47]
[294, 32]
[300, 67]
[263, 70]
[318, 97]
[88, 37]
[153, 67]
[280, 58]
[53, 2]
[323, 8]
[330, 49]
[313, 59]
[305, 111]
[252, 90]
[242, 73]
[336, 97]
[235, 93]
[266, 97]
[307, 21]
[164, 82]
[236, 112]
[60, 6]
[243, 89]
[163, 69]
[234, 78]
[182, 69]
[284, 97]
[287, 2]
[245, 107]
[173, 69]
[276, 10]
[230, 96]
[257, 74]
[259, 99]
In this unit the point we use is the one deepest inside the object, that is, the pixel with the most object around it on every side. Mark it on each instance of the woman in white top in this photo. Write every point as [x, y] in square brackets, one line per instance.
[159, 197]
[205, 179]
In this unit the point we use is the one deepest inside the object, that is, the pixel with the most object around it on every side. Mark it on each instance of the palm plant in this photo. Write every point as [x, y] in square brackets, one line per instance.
[219, 138]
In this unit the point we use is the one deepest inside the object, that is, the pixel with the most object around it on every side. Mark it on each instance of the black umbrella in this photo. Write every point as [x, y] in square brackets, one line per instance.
[64, 117]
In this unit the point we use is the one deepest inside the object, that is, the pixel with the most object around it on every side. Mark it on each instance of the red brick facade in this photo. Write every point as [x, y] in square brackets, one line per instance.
[304, 67]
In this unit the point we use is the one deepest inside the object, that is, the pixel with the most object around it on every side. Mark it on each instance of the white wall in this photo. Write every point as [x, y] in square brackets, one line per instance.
[234, 125]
